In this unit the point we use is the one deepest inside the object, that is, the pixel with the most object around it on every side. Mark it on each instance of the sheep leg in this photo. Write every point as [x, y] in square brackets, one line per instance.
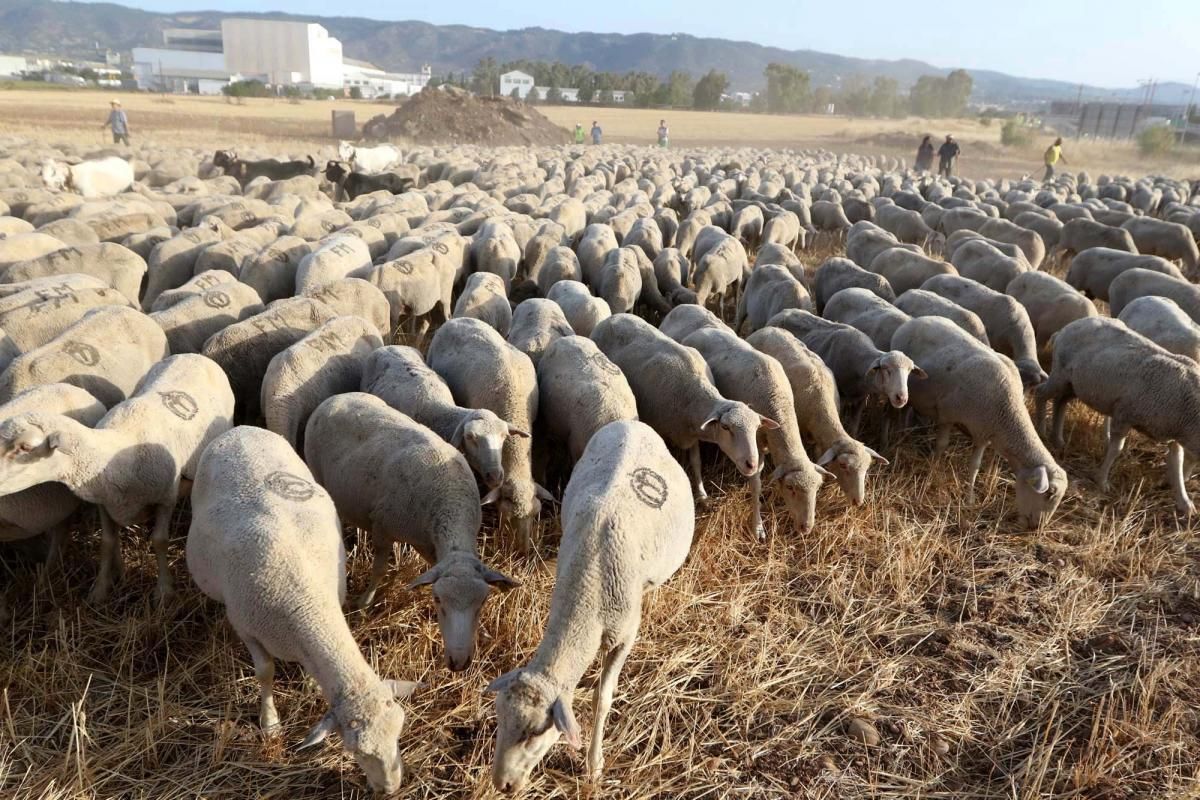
[756, 489]
[943, 439]
[162, 532]
[110, 558]
[856, 415]
[1116, 443]
[264, 671]
[973, 469]
[1175, 477]
[614, 660]
[379, 567]
[697, 478]
[1060, 419]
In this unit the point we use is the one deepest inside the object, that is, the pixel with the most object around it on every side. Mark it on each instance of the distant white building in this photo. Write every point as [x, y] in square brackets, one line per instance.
[300, 53]
[522, 82]
[13, 65]
[374, 82]
[567, 95]
[621, 96]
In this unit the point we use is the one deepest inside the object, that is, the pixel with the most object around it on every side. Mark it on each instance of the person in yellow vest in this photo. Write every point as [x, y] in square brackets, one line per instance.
[579, 133]
[1054, 154]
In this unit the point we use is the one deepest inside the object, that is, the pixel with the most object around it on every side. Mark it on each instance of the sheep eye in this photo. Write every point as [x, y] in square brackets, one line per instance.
[724, 426]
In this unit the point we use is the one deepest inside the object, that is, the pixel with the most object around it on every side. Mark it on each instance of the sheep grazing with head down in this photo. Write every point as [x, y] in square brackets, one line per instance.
[579, 392]
[628, 523]
[582, 309]
[135, 459]
[404, 483]
[265, 541]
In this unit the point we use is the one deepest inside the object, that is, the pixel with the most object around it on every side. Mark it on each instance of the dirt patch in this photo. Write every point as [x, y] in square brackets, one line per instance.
[452, 116]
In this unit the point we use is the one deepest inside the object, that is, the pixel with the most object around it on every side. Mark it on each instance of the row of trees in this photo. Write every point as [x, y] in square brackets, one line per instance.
[789, 89]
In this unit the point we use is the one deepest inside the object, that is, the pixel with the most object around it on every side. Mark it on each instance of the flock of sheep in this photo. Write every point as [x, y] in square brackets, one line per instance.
[591, 311]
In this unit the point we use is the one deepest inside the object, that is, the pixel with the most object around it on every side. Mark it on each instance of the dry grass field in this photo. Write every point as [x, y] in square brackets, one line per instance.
[994, 663]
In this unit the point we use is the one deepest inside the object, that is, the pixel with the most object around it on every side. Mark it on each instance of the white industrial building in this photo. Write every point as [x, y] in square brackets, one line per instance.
[276, 52]
[13, 65]
[522, 82]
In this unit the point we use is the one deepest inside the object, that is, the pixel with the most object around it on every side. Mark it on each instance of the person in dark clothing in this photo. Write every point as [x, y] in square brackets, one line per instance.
[947, 155]
[118, 122]
[924, 161]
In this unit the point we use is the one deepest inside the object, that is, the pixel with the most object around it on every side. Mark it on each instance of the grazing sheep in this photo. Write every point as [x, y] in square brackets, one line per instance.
[582, 310]
[494, 249]
[172, 263]
[117, 266]
[829, 216]
[784, 230]
[676, 396]
[37, 314]
[628, 523]
[983, 263]
[671, 272]
[836, 274]
[719, 263]
[869, 313]
[596, 243]
[686, 319]
[1030, 242]
[231, 252]
[245, 349]
[905, 270]
[484, 298]
[579, 392]
[1051, 304]
[355, 297]
[769, 290]
[27, 246]
[418, 286]
[1049, 228]
[333, 259]
[907, 226]
[560, 264]
[779, 255]
[1136, 384]
[1135, 283]
[108, 352]
[816, 402]
[399, 377]
[920, 303]
[326, 362]
[265, 541]
[972, 387]
[1009, 329]
[620, 283]
[743, 373]
[646, 234]
[132, 463]
[866, 241]
[404, 483]
[1163, 322]
[746, 227]
[189, 324]
[1093, 271]
[272, 271]
[1082, 234]
[194, 287]
[859, 367]
[536, 324]
[484, 371]
[1170, 240]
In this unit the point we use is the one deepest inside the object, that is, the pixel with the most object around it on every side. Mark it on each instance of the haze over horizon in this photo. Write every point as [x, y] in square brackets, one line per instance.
[1028, 38]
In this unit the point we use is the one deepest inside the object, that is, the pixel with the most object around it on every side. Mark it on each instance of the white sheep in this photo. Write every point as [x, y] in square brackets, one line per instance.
[920, 303]
[1163, 322]
[769, 290]
[579, 392]
[536, 324]
[189, 323]
[334, 258]
[117, 266]
[869, 313]
[484, 298]
[134, 460]
[1051, 304]
[265, 541]
[582, 309]
[627, 526]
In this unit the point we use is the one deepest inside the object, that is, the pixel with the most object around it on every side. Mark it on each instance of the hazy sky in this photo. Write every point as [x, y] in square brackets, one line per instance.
[1100, 42]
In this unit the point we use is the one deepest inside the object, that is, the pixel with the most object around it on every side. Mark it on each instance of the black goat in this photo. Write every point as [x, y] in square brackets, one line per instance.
[355, 183]
[273, 168]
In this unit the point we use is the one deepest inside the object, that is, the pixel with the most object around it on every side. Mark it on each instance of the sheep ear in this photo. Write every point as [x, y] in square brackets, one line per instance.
[543, 494]
[876, 456]
[456, 438]
[564, 720]
[710, 421]
[824, 472]
[518, 432]
[498, 579]
[504, 681]
[768, 423]
[826, 457]
[425, 578]
[402, 690]
[775, 475]
[319, 732]
[1040, 480]
[919, 373]
[490, 497]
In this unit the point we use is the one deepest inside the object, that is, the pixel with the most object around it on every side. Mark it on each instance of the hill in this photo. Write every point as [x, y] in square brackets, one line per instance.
[79, 29]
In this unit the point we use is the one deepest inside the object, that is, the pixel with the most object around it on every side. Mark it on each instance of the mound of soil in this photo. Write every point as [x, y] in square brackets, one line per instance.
[454, 116]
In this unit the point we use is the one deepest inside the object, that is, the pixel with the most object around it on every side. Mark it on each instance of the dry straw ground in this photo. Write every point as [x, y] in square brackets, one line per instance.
[993, 662]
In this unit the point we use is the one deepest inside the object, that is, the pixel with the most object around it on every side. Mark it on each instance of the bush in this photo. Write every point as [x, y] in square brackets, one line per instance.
[1014, 134]
[246, 89]
[356, 93]
[1156, 141]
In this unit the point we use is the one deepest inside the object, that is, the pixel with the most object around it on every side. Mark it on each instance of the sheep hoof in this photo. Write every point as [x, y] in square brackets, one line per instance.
[166, 591]
[365, 599]
[760, 532]
[596, 768]
[98, 595]
[270, 724]
[1186, 507]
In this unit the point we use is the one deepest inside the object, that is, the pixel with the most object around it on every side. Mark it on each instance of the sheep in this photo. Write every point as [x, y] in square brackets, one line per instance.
[495, 250]
[866, 241]
[972, 387]
[905, 270]
[417, 286]
[484, 298]
[1161, 321]
[836, 274]
[907, 226]
[404, 483]
[983, 263]
[548, 237]
[245, 349]
[26, 246]
[265, 541]
[740, 372]
[399, 377]
[860, 369]
[1136, 384]
[676, 396]
[582, 310]
[1030, 242]
[231, 252]
[189, 323]
[866, 311]
[47, 507]
[1134, 283]
[816, 408]
[1081, 234]
[133, 461]
[46, 308]
[1170, 240]
[769, 290]
[620, 283]
[326, 362]
[1049, 228]
[96, 178]
[1093, 270]
[1051, 304]
[196, 286]
[785, 230]
[536, 324]
[336, 257]
[272, 271]
[628, 524]
[719, 262]
[119, 267]
[671, 273]
[920, 303]
[560, 264]
[829, 216]
[356, 297]
[684, 320]
[75, 232]
[108, 352]
[746, 227]
[596, 242]
[1009, 329]
[646, 235]
[484, 371]
[173, 262]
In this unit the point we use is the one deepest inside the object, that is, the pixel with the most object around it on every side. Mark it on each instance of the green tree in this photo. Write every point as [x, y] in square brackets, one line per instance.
[587, 90]
[708, 91]
[1156, 141]
[822, 96]
[356, 93]
[676, 91]
[606, 97]
[758, 103]
[787, 89]
[554, 95]
[885, 98]
[485, 80]
[957, 92]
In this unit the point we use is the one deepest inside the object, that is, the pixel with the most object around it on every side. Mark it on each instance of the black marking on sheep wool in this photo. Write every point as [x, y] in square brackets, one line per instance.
[289, 486]
[402, 266]
[82, 352]
[440, 247]
[216, 299]
[649, 487]
[601, 361]
[54, 297]
[181, 404]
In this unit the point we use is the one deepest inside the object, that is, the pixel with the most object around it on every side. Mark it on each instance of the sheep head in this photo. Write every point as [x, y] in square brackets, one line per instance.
[29, 452]
[460, 585]
[733, 426]
[531, 713]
